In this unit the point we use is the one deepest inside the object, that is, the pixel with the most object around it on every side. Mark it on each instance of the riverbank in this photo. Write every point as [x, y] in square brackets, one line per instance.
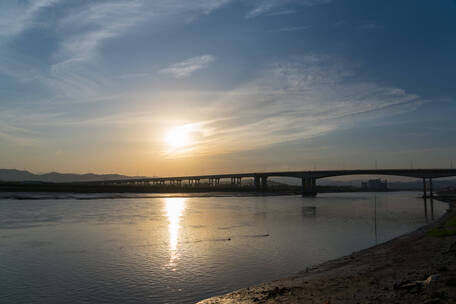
[419, 267]
[274, 188]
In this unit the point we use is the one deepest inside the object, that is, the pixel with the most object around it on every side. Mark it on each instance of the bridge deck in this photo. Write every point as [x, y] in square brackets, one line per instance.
[316, 174]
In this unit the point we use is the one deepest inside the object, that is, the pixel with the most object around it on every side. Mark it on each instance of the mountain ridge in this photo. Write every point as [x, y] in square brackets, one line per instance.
[14, 175]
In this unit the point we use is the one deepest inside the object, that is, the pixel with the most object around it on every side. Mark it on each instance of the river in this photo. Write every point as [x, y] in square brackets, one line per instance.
[90, 249]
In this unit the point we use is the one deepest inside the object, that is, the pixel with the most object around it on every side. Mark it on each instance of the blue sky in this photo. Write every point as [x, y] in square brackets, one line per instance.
[254, 85]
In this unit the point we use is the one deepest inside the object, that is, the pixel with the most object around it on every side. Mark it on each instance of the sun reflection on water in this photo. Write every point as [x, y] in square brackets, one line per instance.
[174, 208]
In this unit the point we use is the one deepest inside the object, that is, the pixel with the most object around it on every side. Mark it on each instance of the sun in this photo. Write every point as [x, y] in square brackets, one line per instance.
[178, 137]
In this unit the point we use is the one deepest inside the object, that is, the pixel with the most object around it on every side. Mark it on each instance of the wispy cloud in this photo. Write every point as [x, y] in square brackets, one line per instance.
[282, 12]
[290, 100]
[14, 131]
[187, 67]
[86, 27]
[76, 72]
[296, 100]
[339, 23]
[269, 7]
[291, 29]
[16, 16]
[97, 21]
[371, 26]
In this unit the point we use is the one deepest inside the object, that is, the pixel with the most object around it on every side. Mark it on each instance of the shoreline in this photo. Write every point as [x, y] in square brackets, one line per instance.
[30, 195]
[108, 195]
[97, 188]
[392, 272]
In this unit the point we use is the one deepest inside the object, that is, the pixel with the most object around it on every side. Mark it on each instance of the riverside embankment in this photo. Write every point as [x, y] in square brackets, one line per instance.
[419, 267]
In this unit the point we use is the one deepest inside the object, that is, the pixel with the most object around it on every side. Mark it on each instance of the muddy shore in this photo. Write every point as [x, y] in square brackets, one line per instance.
[419, 267]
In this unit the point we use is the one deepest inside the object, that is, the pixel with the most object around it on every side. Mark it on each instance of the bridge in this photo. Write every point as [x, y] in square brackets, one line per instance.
[308, 178]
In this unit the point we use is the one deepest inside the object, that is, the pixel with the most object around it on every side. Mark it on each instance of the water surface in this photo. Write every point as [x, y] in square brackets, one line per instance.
[181, 250]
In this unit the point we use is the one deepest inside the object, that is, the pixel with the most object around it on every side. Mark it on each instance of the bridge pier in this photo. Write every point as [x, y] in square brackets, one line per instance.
[431, 188]
[309, 186]
[425, 209]
[424, 188]
[256, 181]
[235, 181]
[264, 182]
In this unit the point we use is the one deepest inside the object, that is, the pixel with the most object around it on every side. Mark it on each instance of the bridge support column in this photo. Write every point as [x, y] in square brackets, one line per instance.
[424, 188]
[431, 194]
[309, 186]
[256, 181]
[239, 180]
[264, 182]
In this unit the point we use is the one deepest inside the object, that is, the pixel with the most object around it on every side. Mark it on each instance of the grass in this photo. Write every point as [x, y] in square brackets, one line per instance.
[447, 229]
[451, 222]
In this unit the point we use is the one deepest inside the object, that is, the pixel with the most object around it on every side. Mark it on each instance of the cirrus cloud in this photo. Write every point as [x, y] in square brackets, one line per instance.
[185, 68]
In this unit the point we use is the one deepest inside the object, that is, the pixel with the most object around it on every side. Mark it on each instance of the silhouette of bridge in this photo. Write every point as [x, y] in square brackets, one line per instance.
[308, 178]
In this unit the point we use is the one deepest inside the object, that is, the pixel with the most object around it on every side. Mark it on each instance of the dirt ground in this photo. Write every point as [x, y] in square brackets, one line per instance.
[419, 267]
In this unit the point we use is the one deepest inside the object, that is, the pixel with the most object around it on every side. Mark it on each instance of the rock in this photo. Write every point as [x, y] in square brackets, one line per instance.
[408, 285]
[431, 280]
[276, 292]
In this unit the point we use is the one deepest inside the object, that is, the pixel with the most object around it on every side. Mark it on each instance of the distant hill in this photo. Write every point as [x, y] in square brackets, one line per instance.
[14, 175]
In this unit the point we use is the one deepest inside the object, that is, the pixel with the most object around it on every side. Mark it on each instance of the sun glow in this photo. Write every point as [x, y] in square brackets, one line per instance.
[178, 137]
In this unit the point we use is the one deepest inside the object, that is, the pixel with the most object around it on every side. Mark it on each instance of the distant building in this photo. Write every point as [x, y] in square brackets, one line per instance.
[375, 185]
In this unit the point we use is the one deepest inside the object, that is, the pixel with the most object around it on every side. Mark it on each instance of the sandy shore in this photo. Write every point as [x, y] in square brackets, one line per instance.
[414, 268]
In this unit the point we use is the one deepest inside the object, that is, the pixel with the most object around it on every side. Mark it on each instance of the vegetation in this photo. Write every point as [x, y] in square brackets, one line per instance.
[446, 229]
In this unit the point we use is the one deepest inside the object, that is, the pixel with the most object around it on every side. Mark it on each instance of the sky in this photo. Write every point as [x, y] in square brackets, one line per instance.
[177, 87]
